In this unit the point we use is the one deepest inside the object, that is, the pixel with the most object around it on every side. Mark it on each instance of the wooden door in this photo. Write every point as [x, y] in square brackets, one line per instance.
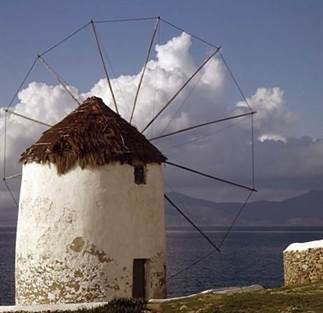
[139, 279]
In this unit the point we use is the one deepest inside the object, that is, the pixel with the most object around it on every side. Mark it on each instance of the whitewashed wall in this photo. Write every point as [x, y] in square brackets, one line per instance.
[78, 233]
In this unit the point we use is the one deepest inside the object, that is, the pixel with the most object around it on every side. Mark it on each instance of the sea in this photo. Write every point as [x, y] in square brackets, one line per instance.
[249, 255]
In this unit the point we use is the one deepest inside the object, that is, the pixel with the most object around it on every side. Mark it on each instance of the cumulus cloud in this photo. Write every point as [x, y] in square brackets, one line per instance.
[164, 76]
[222, 149]
[273, 120]
[274, 137]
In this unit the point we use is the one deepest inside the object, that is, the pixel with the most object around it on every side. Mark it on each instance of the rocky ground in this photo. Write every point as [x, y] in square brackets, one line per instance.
[303, 299]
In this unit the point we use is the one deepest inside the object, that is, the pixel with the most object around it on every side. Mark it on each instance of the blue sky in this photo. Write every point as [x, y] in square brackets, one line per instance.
[267, 43]
[275, 49]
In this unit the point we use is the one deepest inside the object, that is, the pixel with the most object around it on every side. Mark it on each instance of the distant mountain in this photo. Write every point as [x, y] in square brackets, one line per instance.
[303, 210]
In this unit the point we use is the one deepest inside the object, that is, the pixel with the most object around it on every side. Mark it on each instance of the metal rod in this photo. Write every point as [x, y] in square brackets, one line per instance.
[27, 118]
[210, 176]
[12, 176]
[180, 90]
[59, 79]
[192, 223]
[144, 69]
[104, 66]
[201, 125]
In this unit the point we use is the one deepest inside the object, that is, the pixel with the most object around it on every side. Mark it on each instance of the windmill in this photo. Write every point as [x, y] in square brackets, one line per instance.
[144, 130]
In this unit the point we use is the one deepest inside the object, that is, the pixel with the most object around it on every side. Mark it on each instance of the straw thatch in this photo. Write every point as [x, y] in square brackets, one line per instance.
[91, 136]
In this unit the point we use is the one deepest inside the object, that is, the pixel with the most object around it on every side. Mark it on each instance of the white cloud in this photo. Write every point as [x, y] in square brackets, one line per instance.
[175, 55]
[223, 151]
[274, 137]
[272, 116]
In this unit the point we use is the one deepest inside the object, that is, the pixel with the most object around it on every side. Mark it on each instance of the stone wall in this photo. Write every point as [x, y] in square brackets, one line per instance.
[303, 265]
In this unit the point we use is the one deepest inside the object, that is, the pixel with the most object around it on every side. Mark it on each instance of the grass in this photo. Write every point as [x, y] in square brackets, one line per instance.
[303, 299]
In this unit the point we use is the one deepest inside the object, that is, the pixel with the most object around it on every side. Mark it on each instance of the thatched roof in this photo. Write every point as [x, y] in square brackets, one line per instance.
[91, 136]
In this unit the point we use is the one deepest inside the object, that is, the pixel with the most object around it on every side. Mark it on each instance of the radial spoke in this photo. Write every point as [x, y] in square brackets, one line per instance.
[201, 125]
[210, 176]
[181, 89]
[104, 66]
[12, 176]
[192, 223]
[144, 69]
[27, 117]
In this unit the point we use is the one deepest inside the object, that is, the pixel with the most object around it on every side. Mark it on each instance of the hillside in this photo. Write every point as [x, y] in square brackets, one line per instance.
[303, 210]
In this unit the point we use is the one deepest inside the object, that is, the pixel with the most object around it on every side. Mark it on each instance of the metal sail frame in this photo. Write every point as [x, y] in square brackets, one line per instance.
[61, 81]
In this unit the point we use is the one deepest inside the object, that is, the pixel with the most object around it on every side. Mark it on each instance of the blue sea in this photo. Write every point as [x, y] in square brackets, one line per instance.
[248, 256]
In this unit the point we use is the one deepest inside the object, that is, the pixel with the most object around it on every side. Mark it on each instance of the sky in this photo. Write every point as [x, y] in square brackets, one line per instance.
[274, 48]
[267, 43]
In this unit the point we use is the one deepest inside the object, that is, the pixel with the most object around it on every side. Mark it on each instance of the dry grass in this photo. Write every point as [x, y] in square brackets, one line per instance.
[303, 299]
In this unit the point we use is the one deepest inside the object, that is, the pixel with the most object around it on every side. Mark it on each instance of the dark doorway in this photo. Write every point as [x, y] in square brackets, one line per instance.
[139, 279]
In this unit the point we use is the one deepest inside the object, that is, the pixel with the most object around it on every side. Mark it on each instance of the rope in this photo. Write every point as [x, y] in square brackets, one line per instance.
[65, 39]
[5, 144]
[235, 81]
[11, 194]
[192, 35]
[191, 265]
[252, 155]
[205, 256]
[192, 223]
[127, 19]
[236, 218]
[59, 79]
[22, 83]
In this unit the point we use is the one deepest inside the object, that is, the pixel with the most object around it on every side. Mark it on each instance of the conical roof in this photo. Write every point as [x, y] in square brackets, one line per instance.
[91, 136]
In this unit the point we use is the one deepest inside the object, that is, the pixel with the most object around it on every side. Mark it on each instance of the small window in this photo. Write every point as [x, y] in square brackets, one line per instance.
[139, 172]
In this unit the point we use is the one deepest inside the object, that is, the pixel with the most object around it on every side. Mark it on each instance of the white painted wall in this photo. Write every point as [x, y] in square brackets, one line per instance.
[78, 233]
[302, 246]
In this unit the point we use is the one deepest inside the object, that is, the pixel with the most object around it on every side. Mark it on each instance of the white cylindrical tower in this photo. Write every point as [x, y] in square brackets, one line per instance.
[91, 212]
